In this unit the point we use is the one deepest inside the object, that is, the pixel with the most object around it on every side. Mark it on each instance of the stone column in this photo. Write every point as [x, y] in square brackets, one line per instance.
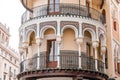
[95, 45]
[79, 42]
[25, 47]
[103, 50]
[58, 39]
[38, 41]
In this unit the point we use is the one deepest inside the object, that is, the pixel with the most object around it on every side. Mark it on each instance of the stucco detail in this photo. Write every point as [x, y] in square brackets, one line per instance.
[50, 23]
[73, 23]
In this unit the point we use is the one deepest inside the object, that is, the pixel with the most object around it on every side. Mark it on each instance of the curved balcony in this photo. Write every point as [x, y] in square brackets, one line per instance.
[66, 62]
[63, 9]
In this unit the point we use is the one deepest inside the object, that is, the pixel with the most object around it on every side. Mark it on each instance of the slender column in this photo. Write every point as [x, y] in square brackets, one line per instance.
[38, 58]
[79, 42]
[103, 49]
[95, 45]
[25, 44]
[96, 59]
[25, 57]
[38, 41]
[58, 39]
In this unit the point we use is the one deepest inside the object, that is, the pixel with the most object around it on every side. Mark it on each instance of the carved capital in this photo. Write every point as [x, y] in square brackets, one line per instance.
[95, 44]
[103, 49]
[58, 39]
[39, 40]
[79, 40]
[25, 44]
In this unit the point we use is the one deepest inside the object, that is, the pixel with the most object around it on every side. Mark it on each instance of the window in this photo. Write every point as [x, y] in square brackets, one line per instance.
[15, 61]
[52, 50]
[10, 58]
[5, 65]
[53, 6]
[88, 49]
[115, 25]
[4, 76]
[14, 72]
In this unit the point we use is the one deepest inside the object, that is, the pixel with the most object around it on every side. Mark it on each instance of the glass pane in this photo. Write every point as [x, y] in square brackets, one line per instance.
[57, 5]
[57, 1]
[51, 6]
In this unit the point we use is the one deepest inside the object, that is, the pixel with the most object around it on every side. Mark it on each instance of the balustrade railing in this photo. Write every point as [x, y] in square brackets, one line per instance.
[66, 62]
[63, 9]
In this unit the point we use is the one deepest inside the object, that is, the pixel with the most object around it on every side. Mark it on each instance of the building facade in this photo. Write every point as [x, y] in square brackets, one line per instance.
[70, 40]
[9, 59]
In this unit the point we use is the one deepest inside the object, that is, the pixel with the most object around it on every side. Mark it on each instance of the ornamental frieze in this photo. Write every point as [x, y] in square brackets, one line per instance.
[50, 23]
[86, 25]
[33, 27]
[64, 23]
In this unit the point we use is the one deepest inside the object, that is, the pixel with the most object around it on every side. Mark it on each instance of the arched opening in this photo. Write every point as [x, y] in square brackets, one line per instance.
[104, 16]
[88, 43]
[69, 42]
[51, 48]
[32, 39]
[32, 49]
[101, 42]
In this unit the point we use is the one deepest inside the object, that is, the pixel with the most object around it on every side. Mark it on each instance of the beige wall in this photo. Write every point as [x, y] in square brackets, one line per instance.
[68, 40]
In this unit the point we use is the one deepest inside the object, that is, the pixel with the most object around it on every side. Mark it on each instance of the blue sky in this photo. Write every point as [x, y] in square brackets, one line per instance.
[10, 14]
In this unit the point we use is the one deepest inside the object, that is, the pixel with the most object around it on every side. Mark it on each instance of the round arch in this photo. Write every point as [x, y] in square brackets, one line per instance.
[102, 39]
[71, 27]
[28, 33]
[44, 29]
[91, 32]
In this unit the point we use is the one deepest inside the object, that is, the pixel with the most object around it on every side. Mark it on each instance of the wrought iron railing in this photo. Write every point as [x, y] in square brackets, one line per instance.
[63, 9]
[66, 62]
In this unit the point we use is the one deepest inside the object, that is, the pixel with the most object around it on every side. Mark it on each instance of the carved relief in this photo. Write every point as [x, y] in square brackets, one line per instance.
[85, 25]
[63, 23]
[51, 23]
[100, 30]
[31, 27]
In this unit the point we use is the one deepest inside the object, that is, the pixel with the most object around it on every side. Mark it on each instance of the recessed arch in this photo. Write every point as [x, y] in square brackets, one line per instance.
[28, 33]
[102, 39]
[71, 27]
[42, 31]
[68, 39]
[92, 32]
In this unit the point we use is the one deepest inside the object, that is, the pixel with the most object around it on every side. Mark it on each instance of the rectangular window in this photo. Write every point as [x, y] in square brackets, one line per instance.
[4, 76]
[53, 6]
[5, 65]
[115, 25]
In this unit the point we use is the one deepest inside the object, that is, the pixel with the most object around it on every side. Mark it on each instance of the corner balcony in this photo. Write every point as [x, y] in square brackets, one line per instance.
[68, 66]
[63, 9]
[66, 62]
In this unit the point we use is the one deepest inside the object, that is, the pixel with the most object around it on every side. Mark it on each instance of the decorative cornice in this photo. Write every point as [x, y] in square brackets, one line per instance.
[62, 73]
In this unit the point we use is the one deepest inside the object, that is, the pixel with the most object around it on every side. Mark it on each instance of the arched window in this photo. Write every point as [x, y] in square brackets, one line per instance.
[115, 25]
[104, 16]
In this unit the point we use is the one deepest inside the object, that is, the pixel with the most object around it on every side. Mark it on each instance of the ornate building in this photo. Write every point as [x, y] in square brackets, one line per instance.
[69, 40]
[9, 59]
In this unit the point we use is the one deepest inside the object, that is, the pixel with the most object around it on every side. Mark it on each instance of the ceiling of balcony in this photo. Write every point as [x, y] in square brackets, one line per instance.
[27, 4]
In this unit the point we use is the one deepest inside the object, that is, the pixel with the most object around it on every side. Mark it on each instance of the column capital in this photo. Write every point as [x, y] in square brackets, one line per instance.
[95, 44]
[79, 40]
[25, 44]
[38, 40]
[103, 49]
[58, 39]
[20, 49]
